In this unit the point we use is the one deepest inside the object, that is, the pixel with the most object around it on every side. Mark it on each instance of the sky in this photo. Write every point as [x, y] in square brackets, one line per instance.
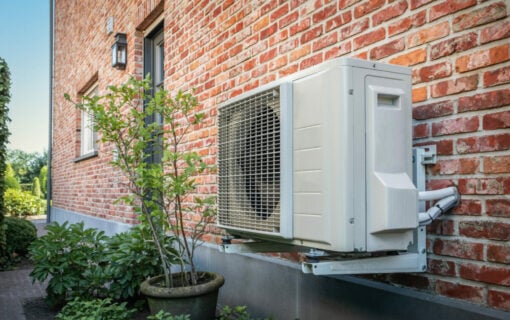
[25, 45]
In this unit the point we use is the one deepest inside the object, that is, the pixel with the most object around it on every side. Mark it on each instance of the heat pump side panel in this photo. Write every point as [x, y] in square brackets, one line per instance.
[322, 160]
[391, 203]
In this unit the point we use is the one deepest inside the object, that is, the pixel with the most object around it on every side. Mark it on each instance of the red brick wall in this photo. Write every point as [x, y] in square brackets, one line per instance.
[459, 51]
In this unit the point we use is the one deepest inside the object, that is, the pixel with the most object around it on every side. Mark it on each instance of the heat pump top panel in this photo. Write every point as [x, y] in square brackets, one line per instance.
[321, 158]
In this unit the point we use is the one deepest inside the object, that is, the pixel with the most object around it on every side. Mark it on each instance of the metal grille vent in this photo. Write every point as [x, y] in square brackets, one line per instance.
[249, 163]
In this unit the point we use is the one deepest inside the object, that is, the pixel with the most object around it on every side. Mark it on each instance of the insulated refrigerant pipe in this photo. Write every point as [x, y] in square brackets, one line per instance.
[448, 202]
[437, 194]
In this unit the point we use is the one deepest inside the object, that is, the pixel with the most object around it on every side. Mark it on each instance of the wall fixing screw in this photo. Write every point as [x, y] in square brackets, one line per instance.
[423, 251]
[424, 267]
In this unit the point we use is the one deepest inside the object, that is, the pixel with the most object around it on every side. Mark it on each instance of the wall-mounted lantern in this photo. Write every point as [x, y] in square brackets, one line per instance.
[119, 51]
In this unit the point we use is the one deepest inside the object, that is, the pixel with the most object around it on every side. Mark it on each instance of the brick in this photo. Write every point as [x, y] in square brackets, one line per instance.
[323, 14]
[450, 87]
[456, 166]
[498, 253]
[433, 110]
[288, 70]
[339, 20]
[485, 229]
[300, 52]
[443, 147]
[459, 249]
[325, 41]
[367, 7]
[419, 94]
[429, 34]
[433, 72]
[441, 227]
[483, 58]
[346, 3]
[435, 184]
[280, 12]
[418, 3]
[468, 208]
[494, 121]
[455, 126]
[441, 267]
[387, 49]
[495, 32]
[269, 55]
[299, 26]
[277, 63]
[410, 58]
[288, 19]
[261, 24]
[482, 101]
[449, 6]
[483, 186]
[485, 273]
[499, 299]
[460, 291]
[407, 23]
[268, 31]
[354, 28]
[368, 38]
[489, 143]
[312, 61]
[311, 34]
[480, 16]
[453, 45]
[496, 77]
[421, 131]
[496, 164]
[389, 12]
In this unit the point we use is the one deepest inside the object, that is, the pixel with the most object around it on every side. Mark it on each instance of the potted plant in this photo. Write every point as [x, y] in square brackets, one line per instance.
[147, 135]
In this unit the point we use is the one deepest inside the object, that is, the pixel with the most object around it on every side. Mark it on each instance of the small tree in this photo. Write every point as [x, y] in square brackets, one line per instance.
[161, 191]
[36, 188]
[5, 85]
[43, 179]
[10, 180]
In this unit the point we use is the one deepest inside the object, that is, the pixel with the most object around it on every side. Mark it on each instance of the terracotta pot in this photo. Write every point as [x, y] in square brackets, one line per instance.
[198, 301]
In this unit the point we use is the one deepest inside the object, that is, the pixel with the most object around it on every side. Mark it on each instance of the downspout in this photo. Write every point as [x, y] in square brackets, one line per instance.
[50, 133]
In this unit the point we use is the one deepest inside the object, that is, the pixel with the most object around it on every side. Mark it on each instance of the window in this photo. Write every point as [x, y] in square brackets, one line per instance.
[154, 65]
[88, 134]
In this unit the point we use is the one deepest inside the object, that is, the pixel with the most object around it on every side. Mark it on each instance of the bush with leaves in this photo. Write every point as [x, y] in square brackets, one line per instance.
[72, 258]
[21, 203]
[132, 257]
[5, 97]
[95, 309]
[10, 180]
[20, 234]
[36, 188]
[43, 180]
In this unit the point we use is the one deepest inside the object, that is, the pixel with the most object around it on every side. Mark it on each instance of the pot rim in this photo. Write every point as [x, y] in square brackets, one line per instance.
[148, 289]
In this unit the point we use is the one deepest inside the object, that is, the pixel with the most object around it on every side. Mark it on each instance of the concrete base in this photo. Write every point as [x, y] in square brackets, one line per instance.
[276, 288]
[109, 227]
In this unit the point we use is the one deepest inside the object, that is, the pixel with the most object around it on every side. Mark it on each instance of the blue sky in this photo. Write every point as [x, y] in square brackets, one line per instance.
[24, 44]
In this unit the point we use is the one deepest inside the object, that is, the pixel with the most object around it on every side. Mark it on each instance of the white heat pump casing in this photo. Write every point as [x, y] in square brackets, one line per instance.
[345, 160]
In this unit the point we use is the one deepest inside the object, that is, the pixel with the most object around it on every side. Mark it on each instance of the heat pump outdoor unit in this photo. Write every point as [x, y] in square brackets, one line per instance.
[322, 159]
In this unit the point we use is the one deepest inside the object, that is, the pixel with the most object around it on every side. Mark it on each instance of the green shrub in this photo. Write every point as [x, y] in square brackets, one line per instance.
[20, 234]
[5, 97]
[10, 180]
[21, 204]
[36, 188]
[72, 257]
[163, 315]
[132, 258]
[43, 179]
[95, 309]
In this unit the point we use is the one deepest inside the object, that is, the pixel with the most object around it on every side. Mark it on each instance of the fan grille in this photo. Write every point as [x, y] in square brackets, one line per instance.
[249, 163]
